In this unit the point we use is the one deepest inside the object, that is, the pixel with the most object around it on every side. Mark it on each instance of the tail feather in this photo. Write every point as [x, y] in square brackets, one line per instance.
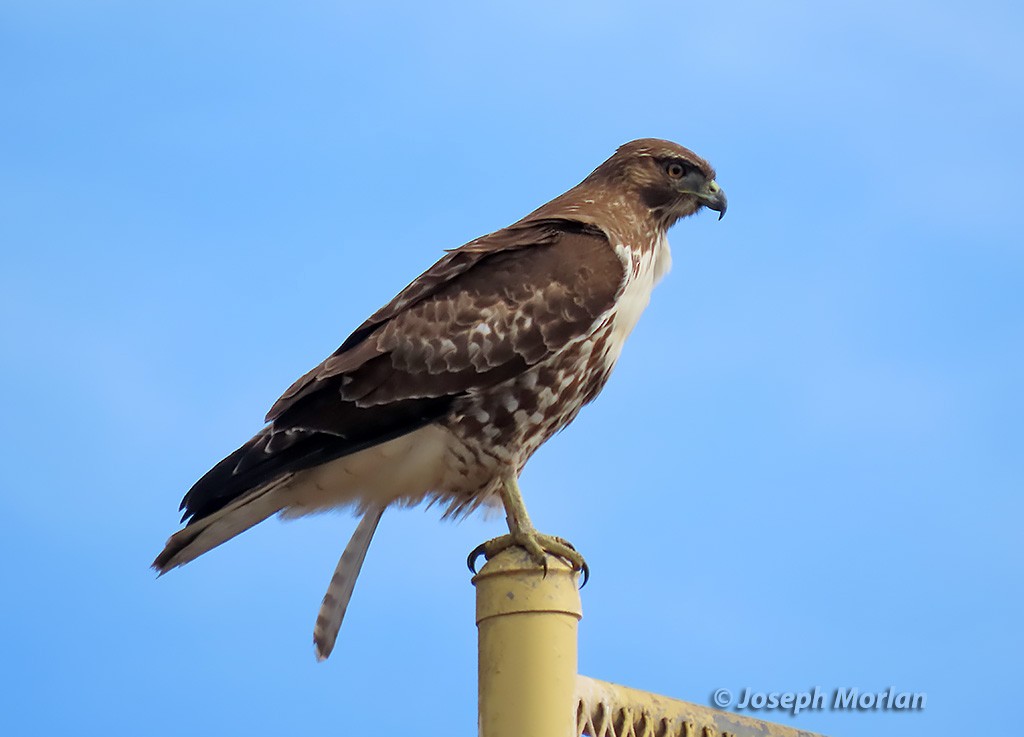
[339, 591]
[207, 533]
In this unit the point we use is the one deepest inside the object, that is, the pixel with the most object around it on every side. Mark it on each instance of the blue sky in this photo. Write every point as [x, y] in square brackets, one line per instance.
[806, 470]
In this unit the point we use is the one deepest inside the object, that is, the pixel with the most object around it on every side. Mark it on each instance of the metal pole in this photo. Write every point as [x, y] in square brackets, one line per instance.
[527, 628]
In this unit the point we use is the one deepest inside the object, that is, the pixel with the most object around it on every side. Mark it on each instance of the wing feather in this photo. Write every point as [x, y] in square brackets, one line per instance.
[483, 314]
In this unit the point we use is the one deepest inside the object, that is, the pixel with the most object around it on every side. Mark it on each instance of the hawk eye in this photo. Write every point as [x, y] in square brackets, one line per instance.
[675, 170]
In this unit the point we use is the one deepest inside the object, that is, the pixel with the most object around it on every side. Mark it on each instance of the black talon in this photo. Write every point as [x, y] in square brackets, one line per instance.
[585, 570]
[474, 555]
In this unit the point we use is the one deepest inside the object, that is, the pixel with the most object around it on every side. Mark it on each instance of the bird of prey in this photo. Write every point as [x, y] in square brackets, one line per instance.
[446, 391]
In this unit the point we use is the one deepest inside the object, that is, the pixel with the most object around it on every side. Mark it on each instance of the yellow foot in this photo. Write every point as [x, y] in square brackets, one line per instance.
[537, 546]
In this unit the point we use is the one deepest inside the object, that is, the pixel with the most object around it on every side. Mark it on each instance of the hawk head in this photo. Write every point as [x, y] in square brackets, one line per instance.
[672, 181]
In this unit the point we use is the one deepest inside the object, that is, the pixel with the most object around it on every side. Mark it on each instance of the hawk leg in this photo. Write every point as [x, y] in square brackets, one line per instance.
[523, 534]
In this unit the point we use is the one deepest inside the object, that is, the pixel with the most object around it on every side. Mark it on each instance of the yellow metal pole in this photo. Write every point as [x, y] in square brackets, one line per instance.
[527, 628]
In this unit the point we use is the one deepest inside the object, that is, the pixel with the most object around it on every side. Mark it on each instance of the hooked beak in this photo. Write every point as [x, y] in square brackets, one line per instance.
[713, 198]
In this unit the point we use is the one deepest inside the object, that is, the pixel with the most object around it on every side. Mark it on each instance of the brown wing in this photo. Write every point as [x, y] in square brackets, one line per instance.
[443, 274]
[482, 314]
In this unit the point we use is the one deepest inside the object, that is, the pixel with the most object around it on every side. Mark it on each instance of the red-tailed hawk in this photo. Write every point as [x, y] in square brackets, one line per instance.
[446, 392]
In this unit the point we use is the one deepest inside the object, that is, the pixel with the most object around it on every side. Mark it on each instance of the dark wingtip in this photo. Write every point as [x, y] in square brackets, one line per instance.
[163, 562]
[160, 563]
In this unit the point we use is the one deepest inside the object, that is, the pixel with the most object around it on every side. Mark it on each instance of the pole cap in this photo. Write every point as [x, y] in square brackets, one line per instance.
[512, 583]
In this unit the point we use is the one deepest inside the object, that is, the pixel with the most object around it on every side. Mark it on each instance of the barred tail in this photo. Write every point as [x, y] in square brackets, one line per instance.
[339, 591]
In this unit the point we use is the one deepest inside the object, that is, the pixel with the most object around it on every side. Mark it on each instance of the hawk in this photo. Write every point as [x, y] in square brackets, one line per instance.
[445, 392]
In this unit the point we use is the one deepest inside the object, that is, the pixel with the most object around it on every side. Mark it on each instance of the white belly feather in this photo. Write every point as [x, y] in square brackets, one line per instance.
[407, 468]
